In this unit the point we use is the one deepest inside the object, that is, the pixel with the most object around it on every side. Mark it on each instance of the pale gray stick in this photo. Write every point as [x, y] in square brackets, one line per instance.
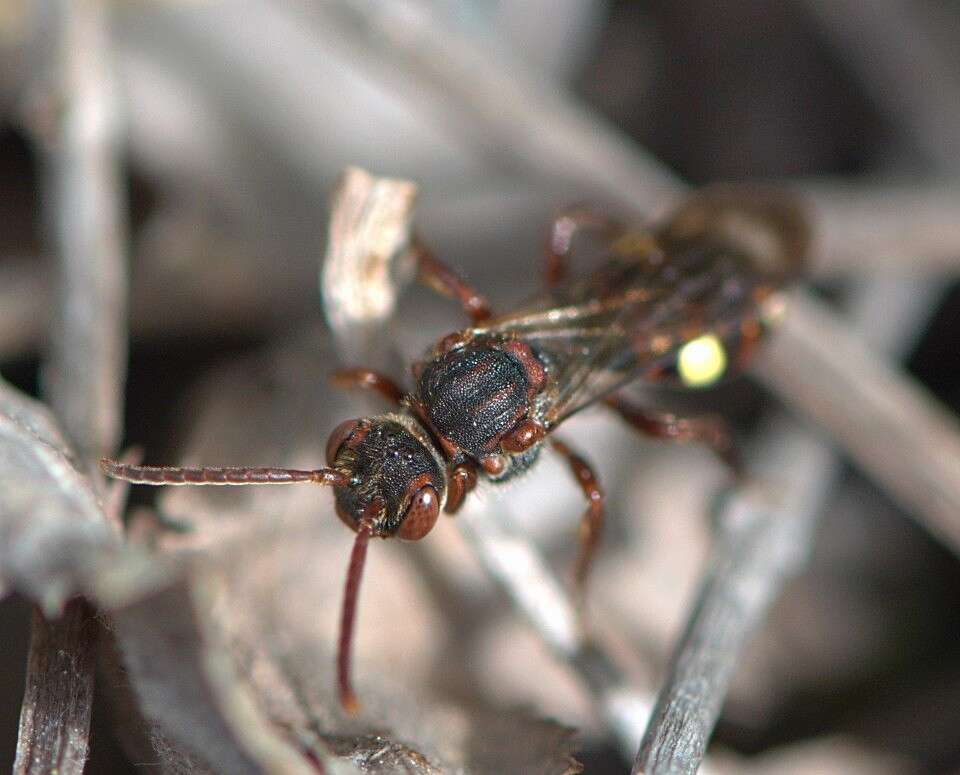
[912, 228]
[367, 261]
[893, 428]
[520, 123]
[868, 227]
[84, 372]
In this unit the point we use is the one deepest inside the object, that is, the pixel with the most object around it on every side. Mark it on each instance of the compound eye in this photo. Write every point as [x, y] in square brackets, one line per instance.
[339, 435]
[421, 515]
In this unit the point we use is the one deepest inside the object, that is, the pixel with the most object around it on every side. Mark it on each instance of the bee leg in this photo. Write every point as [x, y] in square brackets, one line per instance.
[460, 483]
[368, 380]
[710, 430]
[566, 223]
[435, 274]
[591, 524]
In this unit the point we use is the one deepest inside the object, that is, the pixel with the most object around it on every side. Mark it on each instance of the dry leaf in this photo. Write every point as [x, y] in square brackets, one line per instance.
[53, 532]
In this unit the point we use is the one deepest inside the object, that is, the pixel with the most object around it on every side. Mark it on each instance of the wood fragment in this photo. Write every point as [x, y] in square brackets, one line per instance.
[363, 272]
[55, 716]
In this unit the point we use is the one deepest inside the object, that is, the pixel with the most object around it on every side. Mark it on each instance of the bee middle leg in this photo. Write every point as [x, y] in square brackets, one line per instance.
[591, 524]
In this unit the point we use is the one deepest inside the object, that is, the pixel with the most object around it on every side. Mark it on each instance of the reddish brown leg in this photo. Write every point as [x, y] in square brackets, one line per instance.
[710, 430]
[435, 274]
[564, 228]
[591, 524]
[462, 479]
[368, 380]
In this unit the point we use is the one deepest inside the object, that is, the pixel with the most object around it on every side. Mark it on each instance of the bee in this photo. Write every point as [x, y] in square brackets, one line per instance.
[681, 303]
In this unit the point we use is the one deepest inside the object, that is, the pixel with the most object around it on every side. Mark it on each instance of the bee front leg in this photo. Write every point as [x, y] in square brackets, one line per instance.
[435, 274]
[348, 379]
[591, 524]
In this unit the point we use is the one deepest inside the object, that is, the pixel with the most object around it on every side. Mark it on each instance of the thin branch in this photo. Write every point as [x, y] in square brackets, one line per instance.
[84, 373]
[757, 547]
[520, 122]
[362, 274]
[912, 229]
[863, 227]
[55, 716]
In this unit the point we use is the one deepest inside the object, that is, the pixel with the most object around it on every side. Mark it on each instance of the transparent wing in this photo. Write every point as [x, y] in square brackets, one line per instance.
[709, 271]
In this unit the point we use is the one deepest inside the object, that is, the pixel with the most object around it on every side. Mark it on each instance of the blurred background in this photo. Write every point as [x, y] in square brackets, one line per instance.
[233, 121]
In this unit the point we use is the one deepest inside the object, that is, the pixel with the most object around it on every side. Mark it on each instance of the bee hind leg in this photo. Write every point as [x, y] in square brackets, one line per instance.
[711, 430]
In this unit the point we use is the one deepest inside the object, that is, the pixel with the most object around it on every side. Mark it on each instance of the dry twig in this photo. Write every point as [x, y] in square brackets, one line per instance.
[85, 369]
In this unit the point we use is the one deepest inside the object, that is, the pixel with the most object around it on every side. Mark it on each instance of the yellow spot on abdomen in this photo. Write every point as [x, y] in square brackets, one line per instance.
[702, 361]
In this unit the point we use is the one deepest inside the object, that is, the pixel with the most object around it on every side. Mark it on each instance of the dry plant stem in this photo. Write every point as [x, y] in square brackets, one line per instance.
[500, 108]
[883, 227]
[860, 227]
[370, 230]
[59, 676]
[757, 547]
[84, 374]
